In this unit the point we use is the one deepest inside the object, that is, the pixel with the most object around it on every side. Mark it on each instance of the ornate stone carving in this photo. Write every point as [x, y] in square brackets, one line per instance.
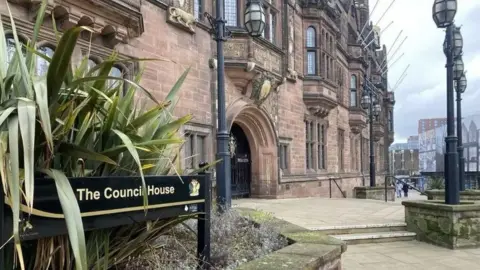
[291, 74]
[114, 20]
[181, 18]
[318, 111]
[378, 131]
[212, 63]
[319, 103]
[262, 86]
[234, 49]
[357, 120]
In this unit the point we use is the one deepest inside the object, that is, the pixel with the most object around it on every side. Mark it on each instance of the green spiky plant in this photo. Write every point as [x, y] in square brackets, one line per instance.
[69, 123]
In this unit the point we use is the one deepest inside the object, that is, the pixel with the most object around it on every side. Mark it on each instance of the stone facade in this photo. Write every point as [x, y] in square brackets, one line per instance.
[404, 162]
[450, 226]
[324, 91]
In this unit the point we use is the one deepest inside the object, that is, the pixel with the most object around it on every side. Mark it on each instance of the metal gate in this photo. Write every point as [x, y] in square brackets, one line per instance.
[240, 162]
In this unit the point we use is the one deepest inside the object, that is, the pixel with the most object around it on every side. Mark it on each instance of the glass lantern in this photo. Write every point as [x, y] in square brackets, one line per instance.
[255, 18]
[458, 68]
[443, 12]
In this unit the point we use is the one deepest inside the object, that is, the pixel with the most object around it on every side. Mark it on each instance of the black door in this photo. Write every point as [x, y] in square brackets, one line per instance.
[240, 162]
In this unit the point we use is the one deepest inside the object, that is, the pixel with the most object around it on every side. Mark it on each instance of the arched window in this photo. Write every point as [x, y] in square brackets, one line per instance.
[11, 47]
[115, 72]
[42, 64]
[353, 91]
[311, 51]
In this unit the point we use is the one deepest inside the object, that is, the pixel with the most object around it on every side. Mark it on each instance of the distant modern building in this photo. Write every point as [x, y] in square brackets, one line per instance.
[412, 142]
[398, 146]
[431, 123]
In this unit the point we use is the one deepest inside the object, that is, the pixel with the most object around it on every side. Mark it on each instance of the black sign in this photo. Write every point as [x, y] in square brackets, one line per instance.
[107, 202]
[112, 201]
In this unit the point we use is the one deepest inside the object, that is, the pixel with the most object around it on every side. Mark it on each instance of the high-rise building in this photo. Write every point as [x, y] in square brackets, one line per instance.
[430, 123]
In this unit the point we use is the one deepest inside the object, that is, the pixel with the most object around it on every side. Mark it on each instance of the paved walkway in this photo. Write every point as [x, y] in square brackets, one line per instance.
[410, 255]
[317, 212]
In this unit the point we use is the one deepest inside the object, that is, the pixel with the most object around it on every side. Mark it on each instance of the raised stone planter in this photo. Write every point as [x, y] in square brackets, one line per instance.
[450, 226]
[374, 193]
[467, 195]
[309, 250]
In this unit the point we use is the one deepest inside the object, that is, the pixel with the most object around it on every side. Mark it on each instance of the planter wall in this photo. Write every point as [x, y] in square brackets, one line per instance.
[310, 250]
[374, 193]
[450, 226]
[467, 195]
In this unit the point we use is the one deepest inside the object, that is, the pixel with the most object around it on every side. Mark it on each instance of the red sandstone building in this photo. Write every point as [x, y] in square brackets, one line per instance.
[289, 142]
[431, 123]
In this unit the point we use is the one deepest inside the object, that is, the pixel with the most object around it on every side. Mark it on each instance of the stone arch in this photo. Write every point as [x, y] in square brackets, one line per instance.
[262, 139]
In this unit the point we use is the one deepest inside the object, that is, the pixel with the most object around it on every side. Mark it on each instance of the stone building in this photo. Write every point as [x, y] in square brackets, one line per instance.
[404, 162]
[306, 128]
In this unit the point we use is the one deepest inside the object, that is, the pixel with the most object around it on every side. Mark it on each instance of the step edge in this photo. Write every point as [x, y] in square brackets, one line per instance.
[373, 235]
[357, 226]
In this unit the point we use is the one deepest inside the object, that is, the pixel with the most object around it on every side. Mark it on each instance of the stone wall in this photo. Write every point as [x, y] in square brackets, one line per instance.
[467, 195]
[374, 193]
[450, 226]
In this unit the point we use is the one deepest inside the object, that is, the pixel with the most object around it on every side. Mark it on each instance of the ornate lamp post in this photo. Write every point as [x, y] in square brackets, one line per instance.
[255, 25]
[369, 102]
[443, 15]
[461, 85]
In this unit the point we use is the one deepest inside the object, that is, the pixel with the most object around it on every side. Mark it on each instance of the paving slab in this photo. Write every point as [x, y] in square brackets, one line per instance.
[409, 255]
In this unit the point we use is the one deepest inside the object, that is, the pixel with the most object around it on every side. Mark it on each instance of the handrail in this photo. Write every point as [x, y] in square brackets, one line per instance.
[330, 186]
[413, 187]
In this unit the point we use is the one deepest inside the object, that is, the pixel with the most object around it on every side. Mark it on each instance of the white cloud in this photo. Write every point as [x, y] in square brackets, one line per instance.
[422, 93]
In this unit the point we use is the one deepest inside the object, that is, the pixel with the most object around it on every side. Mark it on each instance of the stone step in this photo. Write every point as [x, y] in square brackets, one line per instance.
[381, 237]
[364, 228]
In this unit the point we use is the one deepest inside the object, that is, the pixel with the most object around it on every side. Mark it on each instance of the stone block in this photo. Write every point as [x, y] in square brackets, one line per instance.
[466, 195]
[374, 193]
[309, 250]
[450, 226]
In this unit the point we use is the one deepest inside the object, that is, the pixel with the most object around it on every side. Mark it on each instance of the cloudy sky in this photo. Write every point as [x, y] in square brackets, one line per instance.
[422, 94]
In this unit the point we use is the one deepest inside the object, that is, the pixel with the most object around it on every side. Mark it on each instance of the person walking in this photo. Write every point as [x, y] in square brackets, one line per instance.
[398, 188]
[405, 189]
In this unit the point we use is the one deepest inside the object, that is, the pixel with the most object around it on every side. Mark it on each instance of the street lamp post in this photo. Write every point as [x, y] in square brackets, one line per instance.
[443, 14]
[255, 25]
[370, 103]
[461, 85]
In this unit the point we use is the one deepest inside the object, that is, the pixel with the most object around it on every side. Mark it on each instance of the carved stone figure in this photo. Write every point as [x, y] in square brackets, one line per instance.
[292, 74]
[182, 17]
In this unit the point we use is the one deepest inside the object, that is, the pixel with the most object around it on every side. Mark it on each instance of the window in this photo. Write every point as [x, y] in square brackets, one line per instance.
[311, 51]
[390, 120]
[197, 9]
[321, 146]
[272, 21]
[353, 91]
[115, 72]
[231, 12]
[11, 47]
[283, 156]
[310, 142]
[341, 147]
[42, 64]
[195, 150]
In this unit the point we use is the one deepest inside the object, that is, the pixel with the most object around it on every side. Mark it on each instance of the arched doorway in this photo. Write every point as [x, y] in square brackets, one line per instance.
[240, 162]
[261, 141]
